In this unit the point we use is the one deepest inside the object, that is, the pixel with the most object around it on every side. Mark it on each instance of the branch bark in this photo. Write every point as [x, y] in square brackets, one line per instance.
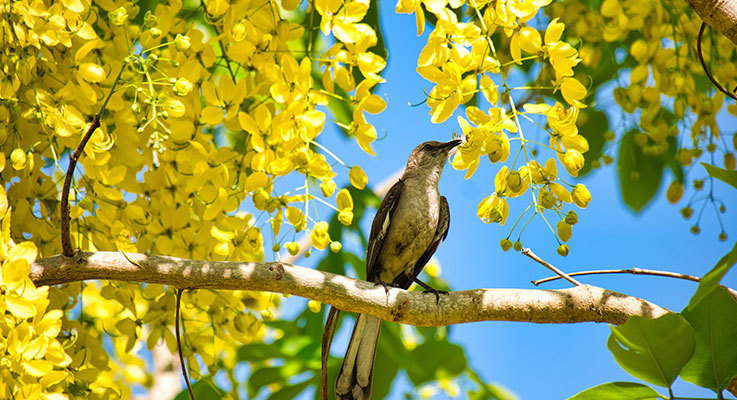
[719, 14]
[579, 304]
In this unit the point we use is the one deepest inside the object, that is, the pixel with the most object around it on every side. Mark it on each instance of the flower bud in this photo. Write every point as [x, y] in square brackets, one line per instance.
[723, 236]
[18, 159]
[327, 187]
[345, 217]
[571, 218]
[181, 42]
[276, 247]
[155, 33]
[729, 161]
[335, 247]
[695, 230]
[546, 199]
[182, 87]
[684, 157]
[581, 196]
[505, 244]
[150, 20]
[357, 177]
[674, 192]
[292, 248]
[563, 250]
[686, 212]
[314, 306]
[518, 246]
[118, 17]
[698, 184]
[573, 161]
[514, 182]
[564, 231]
[267, 315]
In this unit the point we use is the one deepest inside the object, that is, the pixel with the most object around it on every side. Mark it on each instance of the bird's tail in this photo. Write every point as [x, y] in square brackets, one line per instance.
[357, 371]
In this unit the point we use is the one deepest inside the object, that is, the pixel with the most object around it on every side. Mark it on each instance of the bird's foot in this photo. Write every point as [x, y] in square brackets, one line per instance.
[437, 294]
[386, 286]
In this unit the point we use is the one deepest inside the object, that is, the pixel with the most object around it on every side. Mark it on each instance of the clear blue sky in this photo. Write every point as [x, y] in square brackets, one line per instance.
[537, 361]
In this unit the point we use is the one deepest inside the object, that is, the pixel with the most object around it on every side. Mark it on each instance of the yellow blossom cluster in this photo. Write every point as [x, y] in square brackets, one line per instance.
[33, 356]
[462, 60]
[668, 96]
[202, 112]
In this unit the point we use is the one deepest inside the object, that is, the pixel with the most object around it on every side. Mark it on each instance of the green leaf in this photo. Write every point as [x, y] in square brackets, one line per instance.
[435, 359]
[714, 362]
[269, 375]
[593, 130]
[203, 389]
[724, 175]
[291, 391]
[653, 350]
[488, 391]
[639, 174]
[711, 280]
[618, 391]
[255, 352]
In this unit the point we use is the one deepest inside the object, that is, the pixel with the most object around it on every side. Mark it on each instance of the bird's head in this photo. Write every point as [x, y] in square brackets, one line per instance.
[431, 155]
[429, 158]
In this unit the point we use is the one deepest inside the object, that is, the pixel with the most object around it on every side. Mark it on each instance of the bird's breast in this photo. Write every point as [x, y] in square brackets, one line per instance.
[410, 233]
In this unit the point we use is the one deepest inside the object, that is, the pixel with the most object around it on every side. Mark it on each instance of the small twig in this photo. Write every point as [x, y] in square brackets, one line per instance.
[529, 253]
[634, 271]
[66, 240]
[177, 315]
[706, 69]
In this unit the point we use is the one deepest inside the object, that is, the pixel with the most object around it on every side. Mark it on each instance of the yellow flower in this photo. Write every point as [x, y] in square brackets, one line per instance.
[357, 177]
[581, 195]
[573, 161]
[493, 209]
[572, 90]
[563, 57]
[320, 238]
[527, 39]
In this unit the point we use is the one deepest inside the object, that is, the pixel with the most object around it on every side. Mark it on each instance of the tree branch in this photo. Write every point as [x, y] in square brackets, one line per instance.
[720, 14]
[579, 304]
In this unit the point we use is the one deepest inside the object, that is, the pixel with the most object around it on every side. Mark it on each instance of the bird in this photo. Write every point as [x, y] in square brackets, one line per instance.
[412, 220]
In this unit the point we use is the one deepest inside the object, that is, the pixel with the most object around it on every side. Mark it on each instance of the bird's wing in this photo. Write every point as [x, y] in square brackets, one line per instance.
[380, 227]
[440, 234]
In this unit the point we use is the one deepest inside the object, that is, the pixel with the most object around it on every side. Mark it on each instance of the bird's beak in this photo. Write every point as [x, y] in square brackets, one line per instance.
[452, 144]
[450, 147]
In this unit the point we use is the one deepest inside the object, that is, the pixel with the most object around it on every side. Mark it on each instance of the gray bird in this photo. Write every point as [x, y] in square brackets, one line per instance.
[409, 225]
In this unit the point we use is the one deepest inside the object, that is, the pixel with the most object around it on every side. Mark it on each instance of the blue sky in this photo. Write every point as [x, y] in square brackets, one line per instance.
[532, 360]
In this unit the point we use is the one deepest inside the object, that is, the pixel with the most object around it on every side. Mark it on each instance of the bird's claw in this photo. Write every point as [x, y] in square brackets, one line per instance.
[437, 294]
[386, 286]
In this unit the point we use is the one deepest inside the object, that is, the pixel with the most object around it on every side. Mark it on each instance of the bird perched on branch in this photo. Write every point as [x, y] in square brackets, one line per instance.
[409, 225]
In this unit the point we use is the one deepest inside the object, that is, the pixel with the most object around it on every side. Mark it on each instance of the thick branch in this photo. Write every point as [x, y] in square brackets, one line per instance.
[719, 14]
[580, 304]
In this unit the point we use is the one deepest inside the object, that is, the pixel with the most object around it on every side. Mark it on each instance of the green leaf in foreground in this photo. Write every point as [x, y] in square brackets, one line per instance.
[714, 362]
[653, 350]
[711, 280]
[618, 391]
